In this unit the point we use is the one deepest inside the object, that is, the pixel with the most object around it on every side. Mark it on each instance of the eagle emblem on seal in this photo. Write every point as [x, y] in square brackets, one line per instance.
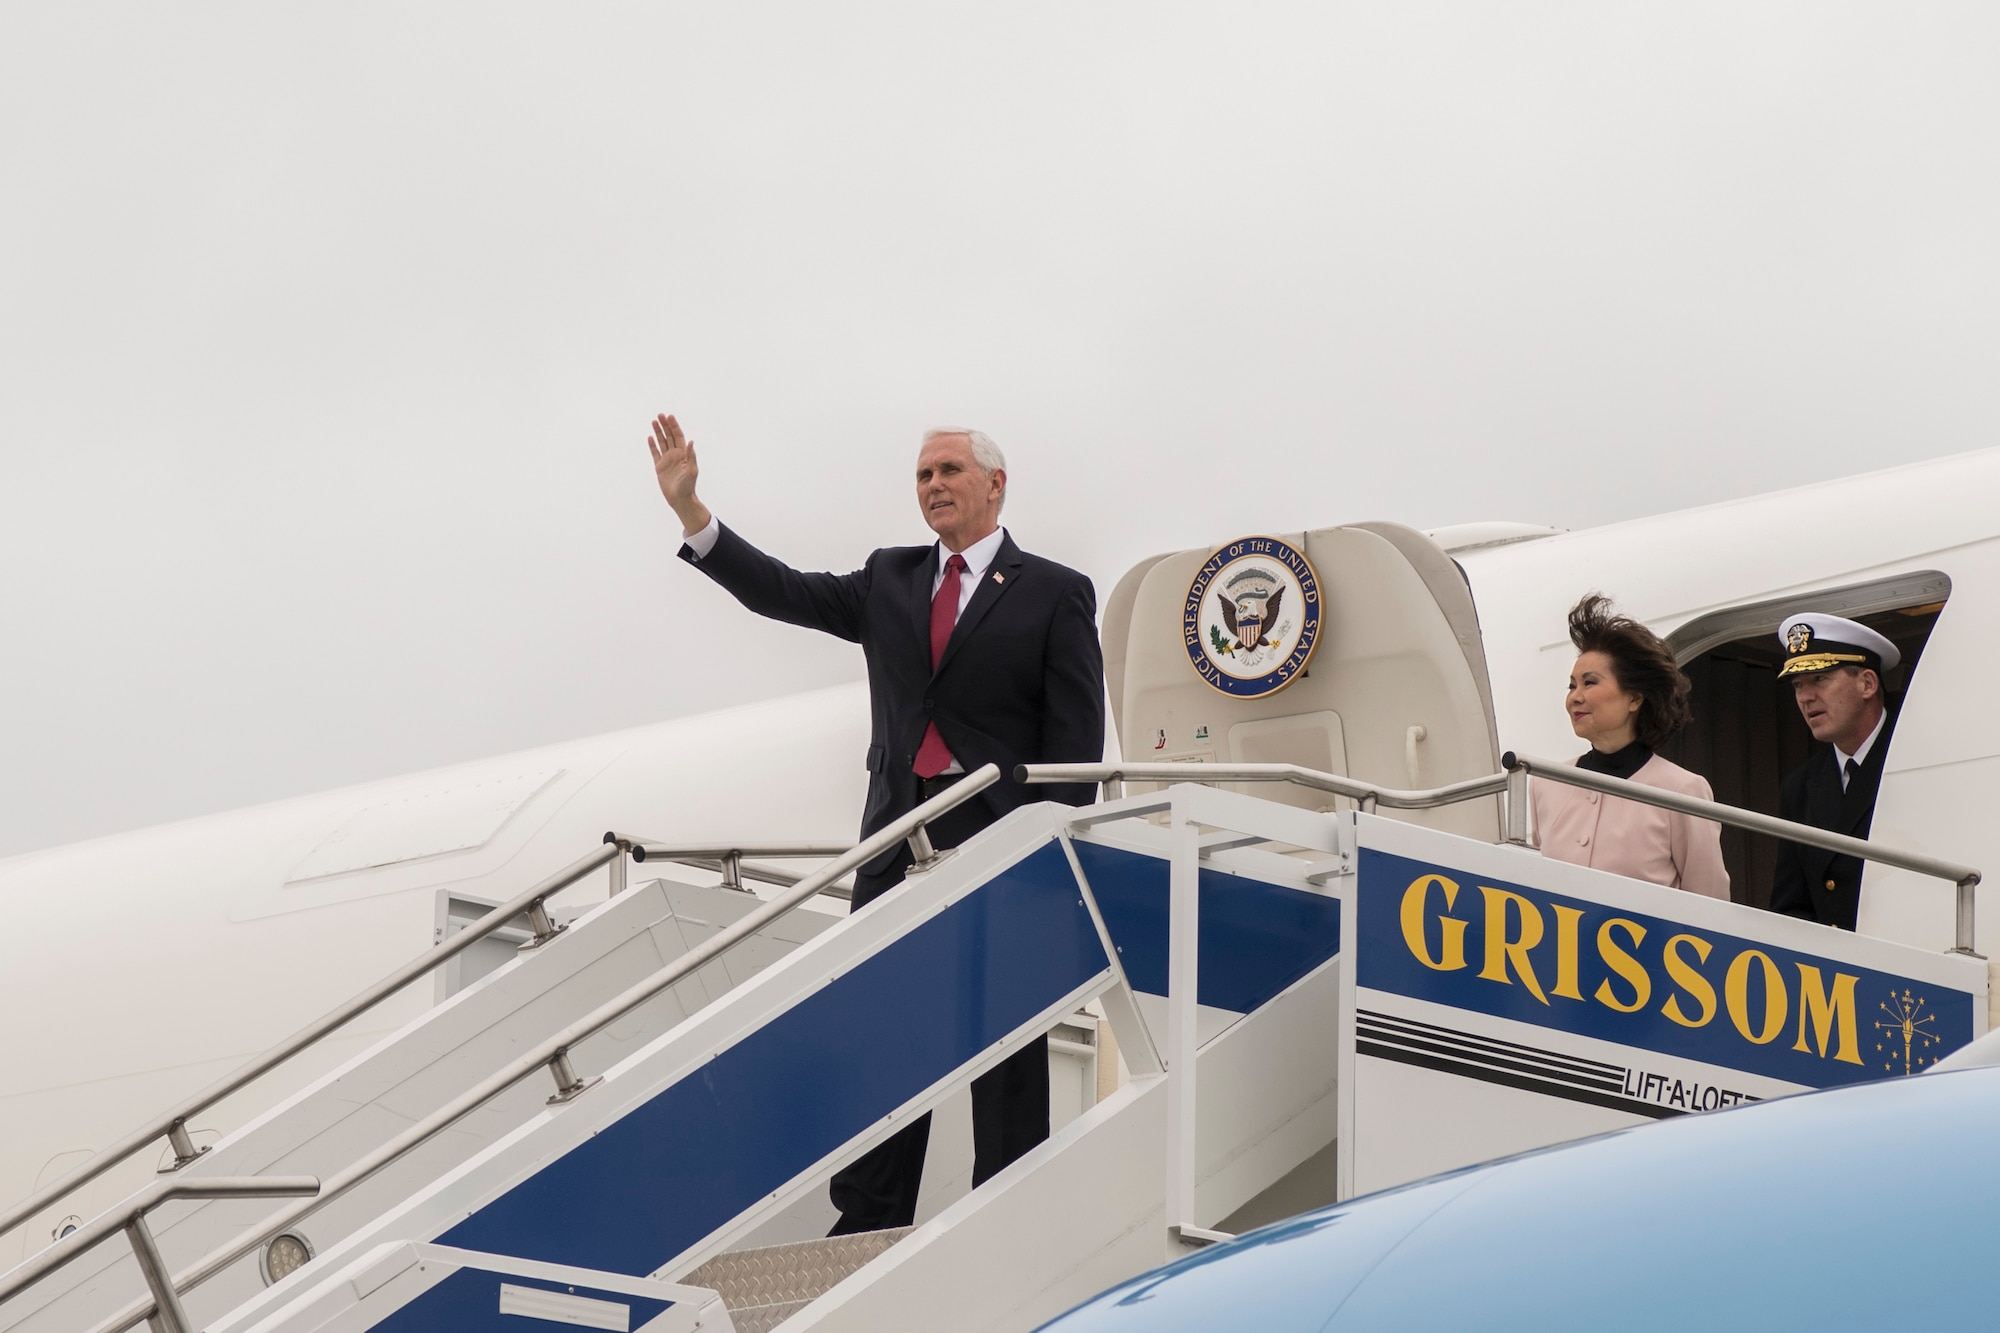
[1248, 611]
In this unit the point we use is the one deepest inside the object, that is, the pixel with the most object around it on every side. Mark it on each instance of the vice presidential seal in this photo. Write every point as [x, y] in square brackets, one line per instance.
[1251, 619]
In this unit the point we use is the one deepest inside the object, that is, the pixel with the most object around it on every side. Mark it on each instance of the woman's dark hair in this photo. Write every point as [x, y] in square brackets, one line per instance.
[1642, 663]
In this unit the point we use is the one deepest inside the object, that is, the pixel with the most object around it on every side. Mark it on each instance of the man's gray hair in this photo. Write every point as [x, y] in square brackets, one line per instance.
[984, 452]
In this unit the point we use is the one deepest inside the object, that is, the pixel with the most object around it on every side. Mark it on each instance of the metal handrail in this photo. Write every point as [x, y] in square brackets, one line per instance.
[1965, 877]
[659, 849]
[728, 860]
[130, 1217]
[172, 1125]
[553, 1053]
[1368, 794]
[1513, 781]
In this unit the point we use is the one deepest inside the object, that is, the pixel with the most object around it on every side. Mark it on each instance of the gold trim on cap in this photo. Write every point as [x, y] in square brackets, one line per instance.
[1805, 666]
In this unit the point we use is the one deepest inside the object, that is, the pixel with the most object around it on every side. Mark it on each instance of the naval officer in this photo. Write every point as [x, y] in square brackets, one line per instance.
[978, 653]
[1835, 669]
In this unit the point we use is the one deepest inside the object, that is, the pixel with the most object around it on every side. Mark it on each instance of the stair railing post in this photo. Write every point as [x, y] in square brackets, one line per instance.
[545, 929]
[732, 871]
[617, 866]
[568, 1085]
[1964, 913]
[183, 1146]
[1183, 979]
[1517, 806]
[921, 851]
[169, 1316]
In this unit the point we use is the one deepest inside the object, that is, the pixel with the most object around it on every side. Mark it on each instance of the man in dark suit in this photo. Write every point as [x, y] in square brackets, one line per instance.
[1835, 667]
[977, 653]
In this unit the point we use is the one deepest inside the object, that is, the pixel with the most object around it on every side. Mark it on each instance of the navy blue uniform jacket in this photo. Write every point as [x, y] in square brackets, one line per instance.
[1819, 885]
[1021, 680]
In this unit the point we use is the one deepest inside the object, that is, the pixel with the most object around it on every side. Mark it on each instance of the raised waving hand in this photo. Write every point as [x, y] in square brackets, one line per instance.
[675, 466]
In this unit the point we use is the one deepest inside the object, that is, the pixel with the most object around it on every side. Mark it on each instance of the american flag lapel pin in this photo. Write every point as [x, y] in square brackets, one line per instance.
[998, 577]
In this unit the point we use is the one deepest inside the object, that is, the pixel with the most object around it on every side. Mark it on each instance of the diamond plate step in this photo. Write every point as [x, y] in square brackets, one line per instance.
[764, 1287]
[763, 1318]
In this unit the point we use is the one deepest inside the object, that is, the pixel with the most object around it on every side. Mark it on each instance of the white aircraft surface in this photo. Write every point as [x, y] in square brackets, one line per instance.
[143, 966]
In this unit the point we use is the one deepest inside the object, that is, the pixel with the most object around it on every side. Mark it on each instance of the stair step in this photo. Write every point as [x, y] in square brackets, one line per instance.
[766, 1286]
[762, 1318]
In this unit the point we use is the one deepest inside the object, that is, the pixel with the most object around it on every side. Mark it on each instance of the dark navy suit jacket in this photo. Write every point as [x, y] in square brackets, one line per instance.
[1021, 680]
[1819, 885]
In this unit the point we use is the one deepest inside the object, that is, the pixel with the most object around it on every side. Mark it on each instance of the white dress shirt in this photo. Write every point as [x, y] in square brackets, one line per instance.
[1860, 755]
[978, 559]
[704, 541]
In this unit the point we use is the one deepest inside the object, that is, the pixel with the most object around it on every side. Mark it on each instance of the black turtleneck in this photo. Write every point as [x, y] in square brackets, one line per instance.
[1619, 763]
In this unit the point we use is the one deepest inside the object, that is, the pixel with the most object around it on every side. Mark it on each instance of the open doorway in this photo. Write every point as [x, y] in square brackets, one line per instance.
[1747, 734]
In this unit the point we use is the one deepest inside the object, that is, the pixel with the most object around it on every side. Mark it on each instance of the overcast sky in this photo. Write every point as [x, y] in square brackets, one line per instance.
[328, 333]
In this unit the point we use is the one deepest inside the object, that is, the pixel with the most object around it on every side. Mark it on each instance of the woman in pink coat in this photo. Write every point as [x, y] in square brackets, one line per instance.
[1626, 695]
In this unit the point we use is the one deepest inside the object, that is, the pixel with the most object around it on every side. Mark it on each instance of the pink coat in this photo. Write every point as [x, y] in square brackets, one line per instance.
[1637, 841]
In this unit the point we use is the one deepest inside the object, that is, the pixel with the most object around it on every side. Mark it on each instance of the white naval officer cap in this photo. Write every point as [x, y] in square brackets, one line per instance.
[1815, 642]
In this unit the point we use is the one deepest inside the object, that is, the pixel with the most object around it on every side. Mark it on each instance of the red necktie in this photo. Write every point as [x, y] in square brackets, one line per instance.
[933, 756]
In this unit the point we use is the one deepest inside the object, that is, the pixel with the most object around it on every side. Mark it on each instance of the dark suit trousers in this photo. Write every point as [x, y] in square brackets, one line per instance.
[1010, 1102]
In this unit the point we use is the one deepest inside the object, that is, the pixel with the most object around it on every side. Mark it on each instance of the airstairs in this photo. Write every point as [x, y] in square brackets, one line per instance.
[632, 1124]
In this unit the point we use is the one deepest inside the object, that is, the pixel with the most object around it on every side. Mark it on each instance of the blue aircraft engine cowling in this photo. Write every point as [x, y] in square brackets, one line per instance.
[1867, 1207]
